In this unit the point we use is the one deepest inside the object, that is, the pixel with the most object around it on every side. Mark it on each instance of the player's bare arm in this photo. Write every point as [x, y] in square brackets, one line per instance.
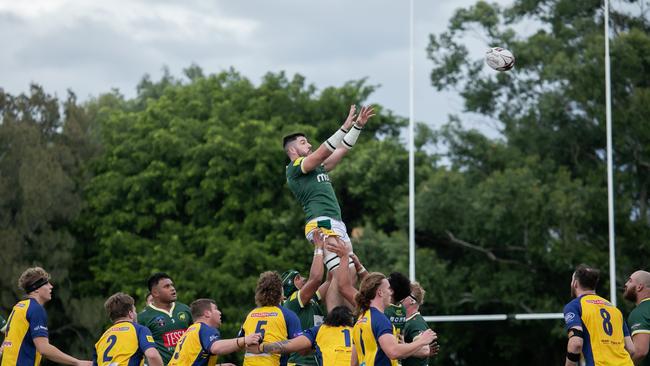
[574, 346]
[300, 343]
[153, 357]
[226, 346]
[52, 353]
[394, 350]
[346, 288]
[310, 287]
[350, 139]
[630, 347]
[315, 159]
[641, 341]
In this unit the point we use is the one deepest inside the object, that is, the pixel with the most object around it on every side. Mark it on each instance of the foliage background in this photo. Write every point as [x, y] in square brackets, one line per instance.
[188, 178]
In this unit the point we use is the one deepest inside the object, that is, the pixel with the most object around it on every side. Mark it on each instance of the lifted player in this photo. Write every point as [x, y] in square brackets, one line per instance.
[308, 181]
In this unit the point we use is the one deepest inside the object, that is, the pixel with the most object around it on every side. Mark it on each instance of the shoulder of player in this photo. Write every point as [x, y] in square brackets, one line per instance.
[179, 306]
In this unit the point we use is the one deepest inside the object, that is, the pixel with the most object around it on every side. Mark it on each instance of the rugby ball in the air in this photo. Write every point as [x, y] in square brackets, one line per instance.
[499, 59]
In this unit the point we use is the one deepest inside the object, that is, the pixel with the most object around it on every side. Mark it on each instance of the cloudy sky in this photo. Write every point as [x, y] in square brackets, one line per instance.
[93, 46]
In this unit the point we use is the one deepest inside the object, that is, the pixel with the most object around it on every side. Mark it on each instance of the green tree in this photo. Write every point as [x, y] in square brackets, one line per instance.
[511, 216]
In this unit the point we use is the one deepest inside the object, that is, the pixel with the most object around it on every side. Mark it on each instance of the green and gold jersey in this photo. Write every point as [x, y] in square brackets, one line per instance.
[310, 315]
[639, 323]
[397, 316]
[166, 327]
[413, 327]
[313, 191]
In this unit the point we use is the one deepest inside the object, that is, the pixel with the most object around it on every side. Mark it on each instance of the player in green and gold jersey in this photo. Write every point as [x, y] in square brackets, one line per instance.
[395, 311]
[165, 317]
[415, 325]
[637, 289]
[309, 182]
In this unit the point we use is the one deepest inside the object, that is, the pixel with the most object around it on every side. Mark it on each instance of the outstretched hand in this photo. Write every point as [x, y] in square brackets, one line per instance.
[365, 114]
[347, 125]
[337, 247]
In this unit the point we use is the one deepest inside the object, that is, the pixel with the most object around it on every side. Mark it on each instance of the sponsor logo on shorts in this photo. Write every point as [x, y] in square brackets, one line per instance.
[171, 338]
[264, 315]
[569, 316]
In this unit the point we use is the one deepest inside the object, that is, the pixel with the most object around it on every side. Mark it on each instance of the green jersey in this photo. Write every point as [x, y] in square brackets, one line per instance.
[166, 327]
[397, 316]
[413, 327]
[639, 323]
[313, 191]
[310, 315]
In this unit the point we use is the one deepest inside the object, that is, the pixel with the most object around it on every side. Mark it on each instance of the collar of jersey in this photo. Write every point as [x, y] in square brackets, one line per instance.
[646, 299]
[171, 311]
[413, 316]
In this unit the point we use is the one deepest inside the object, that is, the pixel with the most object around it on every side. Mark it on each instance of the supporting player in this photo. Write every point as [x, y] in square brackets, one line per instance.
[595, 327]
[332, 340]
[274, 322]
[165, 317]
[637, 290]
[374, 337]
[308, 180]
[125, 342]
[395, 311]
[415, 325]
[303, 297]
[27, 334]
[202, 343]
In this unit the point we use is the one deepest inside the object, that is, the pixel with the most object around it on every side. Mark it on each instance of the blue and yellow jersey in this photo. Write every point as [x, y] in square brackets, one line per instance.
[604, 330]
[194, 346]
[27, 321]
[333, 344]
[275, 323]
[123, 344]
[365, 335]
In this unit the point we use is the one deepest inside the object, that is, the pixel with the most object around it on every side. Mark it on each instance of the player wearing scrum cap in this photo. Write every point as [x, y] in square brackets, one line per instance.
[27, 334]
[309, 182]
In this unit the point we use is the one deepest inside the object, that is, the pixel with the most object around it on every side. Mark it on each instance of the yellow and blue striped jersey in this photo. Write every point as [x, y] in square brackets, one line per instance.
[275, 323]
[333, 344]
[604, 330]
[123, 344]
[27, 321]
[194, 346]
[365, 335]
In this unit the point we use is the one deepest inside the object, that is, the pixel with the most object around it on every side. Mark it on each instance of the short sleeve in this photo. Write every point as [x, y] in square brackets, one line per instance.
[638, 323]
[294, 329]
[294, 169]
[207, 336]
[380, 324]
[145, 339]
[412, 329]
[37, 320]
[572, 314]
[311, 334]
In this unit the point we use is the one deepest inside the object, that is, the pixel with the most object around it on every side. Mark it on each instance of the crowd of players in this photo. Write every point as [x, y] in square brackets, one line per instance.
[339, 315]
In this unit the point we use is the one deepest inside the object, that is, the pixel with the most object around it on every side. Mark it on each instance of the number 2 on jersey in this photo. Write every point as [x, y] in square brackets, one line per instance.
[111, 340]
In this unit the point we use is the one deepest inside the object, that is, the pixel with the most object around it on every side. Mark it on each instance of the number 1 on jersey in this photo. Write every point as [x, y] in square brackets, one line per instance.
[346, 334]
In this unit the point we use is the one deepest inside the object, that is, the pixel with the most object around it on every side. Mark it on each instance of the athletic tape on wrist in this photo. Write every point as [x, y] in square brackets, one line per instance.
[335, 140]
[351, 137]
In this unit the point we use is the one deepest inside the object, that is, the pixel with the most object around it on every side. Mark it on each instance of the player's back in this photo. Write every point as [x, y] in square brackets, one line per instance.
[333, 344]
[124, 344]
[275, 323]
[365, 334]
[26, 321]
[604, 331]
[194, 347]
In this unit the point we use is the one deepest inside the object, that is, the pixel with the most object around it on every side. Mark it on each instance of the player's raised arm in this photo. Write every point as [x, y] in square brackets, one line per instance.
[308, 290]
[342, 274]
[350, 138]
